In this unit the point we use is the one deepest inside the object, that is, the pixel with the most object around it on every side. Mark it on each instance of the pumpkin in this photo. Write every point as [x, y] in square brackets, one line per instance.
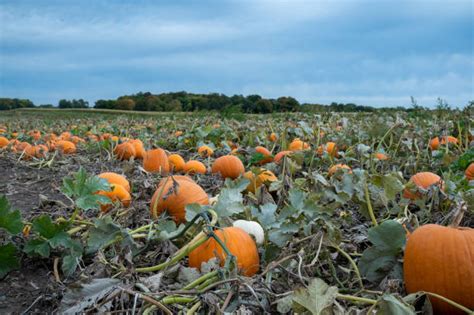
[194, 167]
[267, 155]
[117, 179]
[76, 139]
[238, 242]
[125, 151]
[338, 167]
[280, 155]
[19, 146]
[37, 151]
[470, 172]
[272, 137]
[440, 260]
[205, 151]
[176, 162]
[435, 142]
[139, 149]
[253, 228]
[422, 180]
[298, 145]
[178, 133]
[117, 193]
[449, 139]
[4, 142]
[66, 147]
[381, 156]
[262, 178]
[330, 148]
[173, 194]
[155, 161]
[229, 166]
[35, 134]
[65, 135]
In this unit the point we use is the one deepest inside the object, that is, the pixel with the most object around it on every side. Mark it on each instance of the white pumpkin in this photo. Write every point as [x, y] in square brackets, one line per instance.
[253, 228]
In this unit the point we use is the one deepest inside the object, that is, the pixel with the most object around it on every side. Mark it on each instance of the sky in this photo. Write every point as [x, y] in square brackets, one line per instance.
[369, 52]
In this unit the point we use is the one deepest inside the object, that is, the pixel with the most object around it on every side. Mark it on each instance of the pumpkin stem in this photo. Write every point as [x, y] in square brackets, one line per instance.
[354, 265]
[369, 204]
[459, 214]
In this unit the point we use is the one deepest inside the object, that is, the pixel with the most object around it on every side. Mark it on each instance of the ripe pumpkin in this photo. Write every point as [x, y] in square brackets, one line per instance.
[440, 260]
[178, 133]
[422, 180]
[333, 169]
[267, 155]
[470, 172]
[66, 147]
[229, 166]
[139, 149]
[330, 148]
[37, 151]
[435, 142]
[194, 167]
[174, 195]
[155, 161]
[19, 146]
[65, 136]
[4, 142]
[205, 151]
[117, 179]
[298, 145]
[117, 193]
[272, 137]
[239, 243]
[280, 156]
[262, 178]
[35, 134]
[76, 139]
[125, 151]
[381, 156]
[176, 162]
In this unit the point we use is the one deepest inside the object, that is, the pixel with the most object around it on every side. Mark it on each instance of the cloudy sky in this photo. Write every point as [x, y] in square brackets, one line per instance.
[373, 52]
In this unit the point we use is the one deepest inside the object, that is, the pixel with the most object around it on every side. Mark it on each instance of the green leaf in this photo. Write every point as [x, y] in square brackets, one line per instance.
[296, 198]
[318, 298]
[391, 185]
[37, 246]
[229, 202]
[9, 220]
[266, 216]
[389, 304]
[390, 236]
[375, 264]
[69, 264]
[8, 259]
[45, 227]
[106, 232]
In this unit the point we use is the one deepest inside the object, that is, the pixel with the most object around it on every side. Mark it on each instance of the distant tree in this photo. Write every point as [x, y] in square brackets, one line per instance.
[46, 106]
[125, 103]
[287, 104]
[263, 106]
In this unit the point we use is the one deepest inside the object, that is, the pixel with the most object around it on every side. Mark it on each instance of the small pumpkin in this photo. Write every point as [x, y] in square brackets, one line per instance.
[272, 137]
[194, 167]
[35, 134]
[238, 242]
[37, 151]
[125, 151]
[117, 193]
[381, 156]
[330, 148]
[173, 194]
[176, 162]
[267, 155]
[253, 228]
[436, 142]
[205, 151]
[440, 260]
[280, 156]
[155, 161]
[264, 177]
[333, 169]
[65, 136]
[178, 133]
[65, 147]
[4, 142]
[422, 180]
[76, 139]
[298, 145]
[470, 172]
[114, 178]
[139, 148]
[229, 166]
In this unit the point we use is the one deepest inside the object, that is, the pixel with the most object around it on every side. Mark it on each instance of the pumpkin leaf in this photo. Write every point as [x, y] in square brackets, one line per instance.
[8, 259]
[106, 232]
[266, 215]
[229, 202]
[391, 185]
[388, 236]
[46, 228]
[317, 298]
[69, 264]
[389, 304]
[9, 220]
[37, 246]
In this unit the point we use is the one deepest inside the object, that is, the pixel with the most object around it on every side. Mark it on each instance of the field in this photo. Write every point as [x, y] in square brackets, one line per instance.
[337, 209]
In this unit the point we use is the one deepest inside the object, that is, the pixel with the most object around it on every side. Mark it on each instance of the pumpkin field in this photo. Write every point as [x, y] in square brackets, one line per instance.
[206, 212]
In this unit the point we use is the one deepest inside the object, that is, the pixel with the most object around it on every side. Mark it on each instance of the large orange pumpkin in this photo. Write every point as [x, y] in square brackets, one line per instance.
[238, 242]
[194, 167]
[139, 149]
[4, 142]
[125, 151]
[440, 260]
[66, 147]
[174, 194]
[229, 166]
[155, 161]
[114, 178]
[470, 172]
[176, 162]
[280, 156]
[298, 145]
[37, 151]
[117, 193]
[422, 180]
[267, 155]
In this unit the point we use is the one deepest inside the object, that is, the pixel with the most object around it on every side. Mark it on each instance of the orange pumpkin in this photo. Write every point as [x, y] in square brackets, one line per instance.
[194, 167]
[262, 178]
[422, 180]
[125, 151]
[298, 145]
[205, 151]
[229, 166]
[470, 172]
[330, 148]
[176, 162]
[117, 193]
[440, 260]
[117, 179]
[238, 242]
[65, 135]
[35, 134]
[20, 146]
[76, 139]
[4, 142]
[66, 147]
[178, 133]
[337, 167]
[280, 156]
[267, 155]
[139, 149]
[155, 161]
[381, 157]
[174, 195]
[272, 137]
[37, 151]
[435, 142]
